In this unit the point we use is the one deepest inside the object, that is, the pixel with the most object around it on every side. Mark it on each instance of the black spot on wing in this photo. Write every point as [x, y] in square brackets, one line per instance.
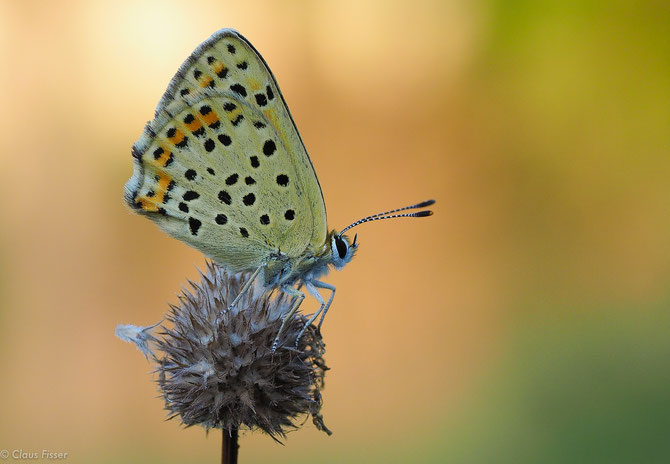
[254, 161]
[282, 180]
[190, 174]
[194, 224]
[225, 197]
[228, 106]
[261, 99]
[249, 199]
[269, 147]
[231, 179]
[239, 89]
[249, 180]
[265, 219]
[237, 120]
[211, 171]
[231, 48]
[183, 207]
[289, 215]
[221, 219]
[209, 144]
[225, 140]
[271, 95]
[242, 65]
[190, 195]
[244, 232]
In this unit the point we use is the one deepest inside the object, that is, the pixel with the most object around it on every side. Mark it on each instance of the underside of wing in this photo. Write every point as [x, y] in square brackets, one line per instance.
[222, 166]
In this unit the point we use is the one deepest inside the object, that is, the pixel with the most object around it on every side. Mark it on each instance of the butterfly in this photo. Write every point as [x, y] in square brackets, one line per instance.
[222, 168]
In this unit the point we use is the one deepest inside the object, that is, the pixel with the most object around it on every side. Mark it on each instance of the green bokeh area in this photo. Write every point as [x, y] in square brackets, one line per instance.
[585, 374]
[573, 389]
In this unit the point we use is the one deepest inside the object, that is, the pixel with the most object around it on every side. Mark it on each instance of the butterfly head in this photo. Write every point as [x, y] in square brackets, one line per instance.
[342, 250]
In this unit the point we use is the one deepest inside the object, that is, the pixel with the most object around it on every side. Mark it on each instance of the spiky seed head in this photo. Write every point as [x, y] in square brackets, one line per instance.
[216, 367]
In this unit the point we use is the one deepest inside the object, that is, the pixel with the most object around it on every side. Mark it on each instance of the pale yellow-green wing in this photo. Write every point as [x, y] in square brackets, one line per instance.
[222, 166]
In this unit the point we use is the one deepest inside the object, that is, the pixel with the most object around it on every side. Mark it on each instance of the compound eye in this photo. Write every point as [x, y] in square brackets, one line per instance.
[341, 247]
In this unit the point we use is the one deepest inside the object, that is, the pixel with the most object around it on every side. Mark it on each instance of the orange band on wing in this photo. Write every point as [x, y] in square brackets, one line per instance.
[150, 204]
[194, 125]
[161, 156]
[205, 81]
[272, 117]
[177, 138]
[218, 67]
[147, 204]
[210, 118]
[254, 84]
[163, 182]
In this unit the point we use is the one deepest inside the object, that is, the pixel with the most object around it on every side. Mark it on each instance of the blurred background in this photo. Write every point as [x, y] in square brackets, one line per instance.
[525, 322]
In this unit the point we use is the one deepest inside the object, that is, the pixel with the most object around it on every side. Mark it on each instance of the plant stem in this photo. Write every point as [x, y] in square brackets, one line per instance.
[229, 446]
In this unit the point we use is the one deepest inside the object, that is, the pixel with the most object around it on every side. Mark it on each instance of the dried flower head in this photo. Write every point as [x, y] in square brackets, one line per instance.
[223, 373]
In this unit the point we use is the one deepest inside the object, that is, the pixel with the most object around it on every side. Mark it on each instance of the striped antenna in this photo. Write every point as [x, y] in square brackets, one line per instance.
[389, 215]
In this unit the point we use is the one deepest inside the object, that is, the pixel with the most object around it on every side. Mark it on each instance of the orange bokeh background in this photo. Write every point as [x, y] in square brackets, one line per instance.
[540, 129]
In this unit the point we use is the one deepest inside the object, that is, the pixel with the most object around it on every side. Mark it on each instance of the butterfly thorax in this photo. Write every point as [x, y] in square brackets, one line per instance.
[282, 269]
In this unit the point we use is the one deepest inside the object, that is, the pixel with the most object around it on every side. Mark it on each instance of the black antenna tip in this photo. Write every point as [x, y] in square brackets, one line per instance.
[423, 204]
[423, 214]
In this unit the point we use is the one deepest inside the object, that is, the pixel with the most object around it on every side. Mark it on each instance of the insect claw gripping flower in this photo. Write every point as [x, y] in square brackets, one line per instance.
[216, 367]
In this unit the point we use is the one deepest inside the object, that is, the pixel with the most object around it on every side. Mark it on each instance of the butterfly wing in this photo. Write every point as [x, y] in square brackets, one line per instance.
[222, 166]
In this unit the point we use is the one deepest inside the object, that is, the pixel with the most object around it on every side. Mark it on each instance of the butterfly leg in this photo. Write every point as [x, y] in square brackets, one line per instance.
[294, 307]
[311, 288]
[324, 306]
[245, 288]
[330, 300]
